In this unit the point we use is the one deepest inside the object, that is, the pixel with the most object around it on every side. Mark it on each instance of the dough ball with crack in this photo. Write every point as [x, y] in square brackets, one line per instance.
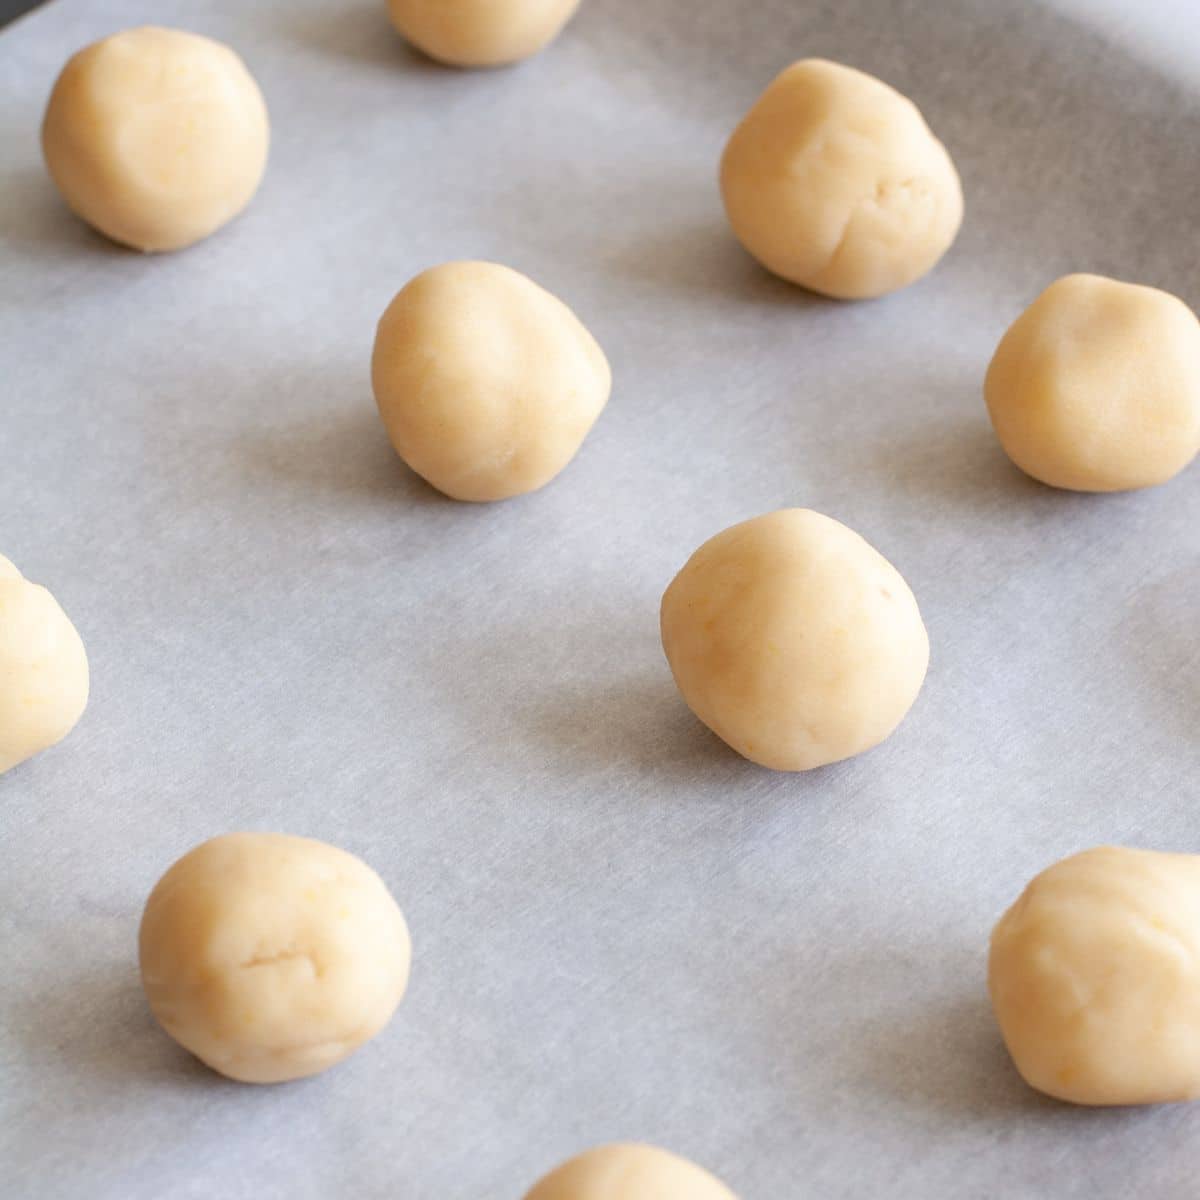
[487, 384]
[835, 182]
[272, 957]
[1096, 386]
[43, 669]
[1094, 975]
[481, 33]
[629, 1172]
[156, 137]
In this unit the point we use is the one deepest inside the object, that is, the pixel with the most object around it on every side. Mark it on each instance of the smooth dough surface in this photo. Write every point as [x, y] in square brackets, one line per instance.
[794, 640]
[272, 957]
[629, 1172]
[481, 33]
[43, 669]
[1096, 386]
[834, 181]
[156, 137]
[1095, 978]
[487, 384]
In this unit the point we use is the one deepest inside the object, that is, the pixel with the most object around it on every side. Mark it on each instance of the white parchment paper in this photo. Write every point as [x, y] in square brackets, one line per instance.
[622, 930]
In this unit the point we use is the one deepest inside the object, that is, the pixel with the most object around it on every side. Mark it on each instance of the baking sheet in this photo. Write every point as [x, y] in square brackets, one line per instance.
[622, 931]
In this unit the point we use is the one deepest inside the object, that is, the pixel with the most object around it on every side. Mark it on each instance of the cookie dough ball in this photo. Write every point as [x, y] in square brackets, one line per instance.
[1096, 387]
[629, 1173]
[487, 384]
[1095, 978]
[156, 137]
[834, 181]
[794, 640]
[481, 33]
[43, 670]
[272, 957]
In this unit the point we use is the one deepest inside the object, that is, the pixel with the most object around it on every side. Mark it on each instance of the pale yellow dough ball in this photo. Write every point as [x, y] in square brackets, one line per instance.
[156, 137]
[481, 33]
[487, 384]
[1096, 387]
[629, 1172]
[1095, 978]
[834, 181]
[794, 640]
[43, 670]
[272, 957]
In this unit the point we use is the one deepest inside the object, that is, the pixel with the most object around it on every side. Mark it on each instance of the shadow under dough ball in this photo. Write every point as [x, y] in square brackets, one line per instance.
[156, 137]
[481, 33]
[1096, 386]
[629, 1172]
[834, 181]
[487, 384]
[272, 957]
[1094, 975]
[44, 675]
[794, 640]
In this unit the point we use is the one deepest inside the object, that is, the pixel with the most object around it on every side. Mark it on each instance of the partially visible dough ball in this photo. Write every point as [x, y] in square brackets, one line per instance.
[834, 181]
[487, 383]
[1095, 978]
[481, 33]
[272, 957]
[1096, 387]
[43, 670]
[794, 640]
[629, 1172]
[156, 137]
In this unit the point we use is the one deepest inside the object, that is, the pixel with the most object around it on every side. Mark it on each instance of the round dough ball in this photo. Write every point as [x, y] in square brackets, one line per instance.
[481, 33]
[629, 1173]
[487, 384]
[272, 957]
[794, 641]
[834, 181]
[1096, 387]
[43, 670]
[1095, 978]
[156, 137]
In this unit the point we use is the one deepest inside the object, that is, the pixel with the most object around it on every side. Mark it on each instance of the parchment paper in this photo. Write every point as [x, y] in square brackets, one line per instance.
[622, 930]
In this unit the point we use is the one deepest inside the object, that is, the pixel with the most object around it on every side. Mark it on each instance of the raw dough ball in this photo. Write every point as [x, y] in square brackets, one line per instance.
[1095, 978]
[794, 640]
[487, 383]
[629, 1173]
[481, 33]
[834, 181]
[156, 137]
[43, 670]
[272, 957]
[1096, 387]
